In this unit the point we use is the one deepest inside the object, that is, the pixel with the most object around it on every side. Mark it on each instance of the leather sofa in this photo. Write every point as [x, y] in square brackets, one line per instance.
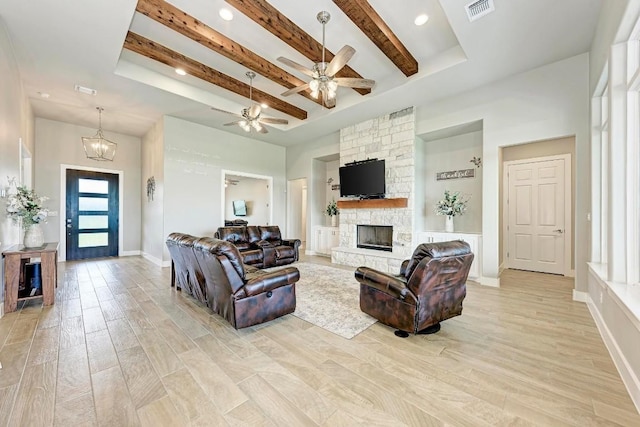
[429, 289]
[261, 246]
[243, 295]
[185, 271]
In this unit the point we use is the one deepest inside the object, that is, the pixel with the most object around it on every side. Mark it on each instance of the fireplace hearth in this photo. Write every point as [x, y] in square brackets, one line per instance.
[378, 237]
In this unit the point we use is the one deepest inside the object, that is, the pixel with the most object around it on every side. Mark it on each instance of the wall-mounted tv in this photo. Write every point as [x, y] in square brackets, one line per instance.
[364, 179]
[239, 208]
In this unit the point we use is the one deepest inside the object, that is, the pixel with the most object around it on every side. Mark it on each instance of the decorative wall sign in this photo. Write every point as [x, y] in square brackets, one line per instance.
[462, 173]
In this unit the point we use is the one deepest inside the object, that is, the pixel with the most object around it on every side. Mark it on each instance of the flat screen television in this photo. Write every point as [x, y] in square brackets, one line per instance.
[363, 179]
[239, 208]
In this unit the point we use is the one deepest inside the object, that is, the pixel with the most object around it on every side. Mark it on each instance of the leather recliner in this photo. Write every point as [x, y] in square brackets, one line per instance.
[244, 296]
[429, 289]
[186, 273]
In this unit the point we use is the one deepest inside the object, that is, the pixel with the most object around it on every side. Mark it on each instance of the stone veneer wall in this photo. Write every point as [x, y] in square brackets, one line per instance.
[392, 138]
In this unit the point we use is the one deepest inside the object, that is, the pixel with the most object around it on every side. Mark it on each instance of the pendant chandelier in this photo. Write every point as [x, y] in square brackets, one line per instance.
[97, 147]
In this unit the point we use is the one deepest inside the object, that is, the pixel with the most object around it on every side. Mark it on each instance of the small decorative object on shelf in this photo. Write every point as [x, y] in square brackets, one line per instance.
[26, 206]
[453, 204]
[332, 210]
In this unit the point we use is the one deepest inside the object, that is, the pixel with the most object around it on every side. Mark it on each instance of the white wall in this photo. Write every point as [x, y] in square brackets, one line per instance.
[545, 103]
[16, 123]
[194, 157]
[332, 172]
[301, 163]
[449, 154]
[59, 143]
[153, 211]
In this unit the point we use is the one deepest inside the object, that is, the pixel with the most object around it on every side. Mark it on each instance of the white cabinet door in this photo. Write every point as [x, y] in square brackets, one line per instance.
[325, 239]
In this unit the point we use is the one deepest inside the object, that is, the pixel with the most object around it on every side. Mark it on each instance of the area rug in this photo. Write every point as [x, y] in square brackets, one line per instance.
[329, 298]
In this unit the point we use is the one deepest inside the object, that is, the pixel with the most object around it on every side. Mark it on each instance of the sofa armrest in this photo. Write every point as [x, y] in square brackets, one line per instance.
[295, 243]
[395, 286]
[403, 267]
[269, 281]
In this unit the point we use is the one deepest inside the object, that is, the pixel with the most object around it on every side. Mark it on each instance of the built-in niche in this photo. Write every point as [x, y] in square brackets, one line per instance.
[451, 160]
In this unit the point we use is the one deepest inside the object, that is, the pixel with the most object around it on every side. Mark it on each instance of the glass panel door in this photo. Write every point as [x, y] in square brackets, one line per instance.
[92, 214]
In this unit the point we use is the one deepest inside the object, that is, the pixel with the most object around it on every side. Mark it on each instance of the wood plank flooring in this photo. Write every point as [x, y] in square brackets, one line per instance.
[121, 348]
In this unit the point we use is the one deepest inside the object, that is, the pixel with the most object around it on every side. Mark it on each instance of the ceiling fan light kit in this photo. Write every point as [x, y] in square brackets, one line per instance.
[323, 80]
[251, 117]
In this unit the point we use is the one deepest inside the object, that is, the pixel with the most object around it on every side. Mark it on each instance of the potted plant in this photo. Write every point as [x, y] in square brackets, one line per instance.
[451, 205]
[332, 210]
[25, 206]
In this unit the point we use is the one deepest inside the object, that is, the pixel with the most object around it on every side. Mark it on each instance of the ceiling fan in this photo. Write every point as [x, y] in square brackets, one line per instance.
[251, 117]
[323, 73]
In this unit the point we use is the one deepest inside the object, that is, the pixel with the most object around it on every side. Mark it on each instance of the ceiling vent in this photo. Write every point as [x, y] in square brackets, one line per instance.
[85, 90]
[478, 9]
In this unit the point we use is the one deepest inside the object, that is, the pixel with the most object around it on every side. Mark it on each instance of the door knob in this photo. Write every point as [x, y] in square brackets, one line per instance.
[558, 231]
[69, 226]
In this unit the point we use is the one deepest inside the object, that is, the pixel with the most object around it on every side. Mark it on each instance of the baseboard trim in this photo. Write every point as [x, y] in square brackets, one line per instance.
[156, 261]
[571, 273]
[501, 269]
[580, 296]
[494, 282]
[130, 253]
[629, 378]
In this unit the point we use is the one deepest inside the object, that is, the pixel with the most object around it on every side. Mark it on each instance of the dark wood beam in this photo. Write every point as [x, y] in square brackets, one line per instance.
[185, 24]
[374, 27]
[152, 50]
[282, 27]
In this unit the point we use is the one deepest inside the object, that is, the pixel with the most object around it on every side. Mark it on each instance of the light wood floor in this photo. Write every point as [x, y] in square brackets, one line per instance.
[120, 348]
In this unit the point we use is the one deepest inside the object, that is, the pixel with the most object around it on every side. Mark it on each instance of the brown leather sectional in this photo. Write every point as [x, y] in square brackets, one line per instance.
[212, 271]
[261, 246]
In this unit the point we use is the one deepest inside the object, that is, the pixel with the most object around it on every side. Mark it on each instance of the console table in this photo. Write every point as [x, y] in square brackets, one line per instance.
[14, 259]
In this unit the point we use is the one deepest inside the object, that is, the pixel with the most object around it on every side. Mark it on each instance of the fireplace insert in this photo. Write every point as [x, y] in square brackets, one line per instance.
[378, 237]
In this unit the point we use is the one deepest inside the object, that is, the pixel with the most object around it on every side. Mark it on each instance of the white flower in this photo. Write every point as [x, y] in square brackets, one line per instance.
[453, 204]
[27, 206]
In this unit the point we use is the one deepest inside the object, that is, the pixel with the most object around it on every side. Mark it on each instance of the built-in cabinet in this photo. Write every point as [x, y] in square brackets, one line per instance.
[325, 238]
[473, 239]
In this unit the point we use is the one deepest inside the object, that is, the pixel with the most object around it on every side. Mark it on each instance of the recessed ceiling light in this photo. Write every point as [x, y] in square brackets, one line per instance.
[181, 72]
[44, 95]
[421, 19]
[226, 14]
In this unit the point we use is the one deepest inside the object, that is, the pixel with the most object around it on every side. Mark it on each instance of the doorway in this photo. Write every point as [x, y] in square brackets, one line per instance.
[537, 214]
[92, 218]
[256, 191]
[297, 209]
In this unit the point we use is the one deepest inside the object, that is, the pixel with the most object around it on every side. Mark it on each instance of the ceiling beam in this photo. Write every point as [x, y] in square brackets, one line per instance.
[185, 24]
[152, 50]
[261, 12]
[373, 26]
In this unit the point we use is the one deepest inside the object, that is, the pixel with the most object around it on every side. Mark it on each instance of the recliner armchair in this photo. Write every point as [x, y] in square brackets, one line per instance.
[429, 289]
[243, 295]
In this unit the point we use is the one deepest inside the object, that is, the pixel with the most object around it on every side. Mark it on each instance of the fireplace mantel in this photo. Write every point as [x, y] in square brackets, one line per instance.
[400, 202]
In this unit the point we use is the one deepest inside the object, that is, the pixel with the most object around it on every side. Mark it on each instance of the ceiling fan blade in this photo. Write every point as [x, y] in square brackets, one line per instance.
[273, 121]
[254, 111]
[224, 111]
[296, 90]
[297, 66]
[340, 60]
[328, 102]
[354, 82]
[233, 123]
[263, 129]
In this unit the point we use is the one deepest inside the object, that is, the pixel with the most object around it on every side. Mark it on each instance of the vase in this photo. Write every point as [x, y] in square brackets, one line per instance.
[33, 236]
[334, 220]
[448, 224]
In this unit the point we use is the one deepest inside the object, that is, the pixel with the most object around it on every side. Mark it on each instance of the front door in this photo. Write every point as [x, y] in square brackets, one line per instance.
[536, 222]
[92, 214]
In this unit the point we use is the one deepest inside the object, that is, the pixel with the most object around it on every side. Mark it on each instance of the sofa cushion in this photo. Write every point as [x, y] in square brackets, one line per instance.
[285, 252]
[236, 235]
[252, 256]
[271, 233]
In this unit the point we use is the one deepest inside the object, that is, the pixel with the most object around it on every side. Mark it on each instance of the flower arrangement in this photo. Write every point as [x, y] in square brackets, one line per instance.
[27, 206]
[332, 208]
[453, 204]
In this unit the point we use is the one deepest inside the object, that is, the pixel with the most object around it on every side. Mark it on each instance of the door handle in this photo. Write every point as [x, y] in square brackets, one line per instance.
[69, 226]
[558, 231]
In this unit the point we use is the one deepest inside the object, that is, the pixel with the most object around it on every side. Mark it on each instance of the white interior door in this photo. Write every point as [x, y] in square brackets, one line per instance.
[536, 216]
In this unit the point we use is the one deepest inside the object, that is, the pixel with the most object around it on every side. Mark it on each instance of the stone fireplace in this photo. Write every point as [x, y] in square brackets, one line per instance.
[390, 137]
[377, 237]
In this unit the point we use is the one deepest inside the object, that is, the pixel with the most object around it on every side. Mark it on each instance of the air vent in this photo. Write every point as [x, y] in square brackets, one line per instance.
[478, 9]
[85, 90]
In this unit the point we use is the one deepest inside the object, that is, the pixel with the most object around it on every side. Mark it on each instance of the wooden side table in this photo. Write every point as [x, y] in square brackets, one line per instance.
[13, 262]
